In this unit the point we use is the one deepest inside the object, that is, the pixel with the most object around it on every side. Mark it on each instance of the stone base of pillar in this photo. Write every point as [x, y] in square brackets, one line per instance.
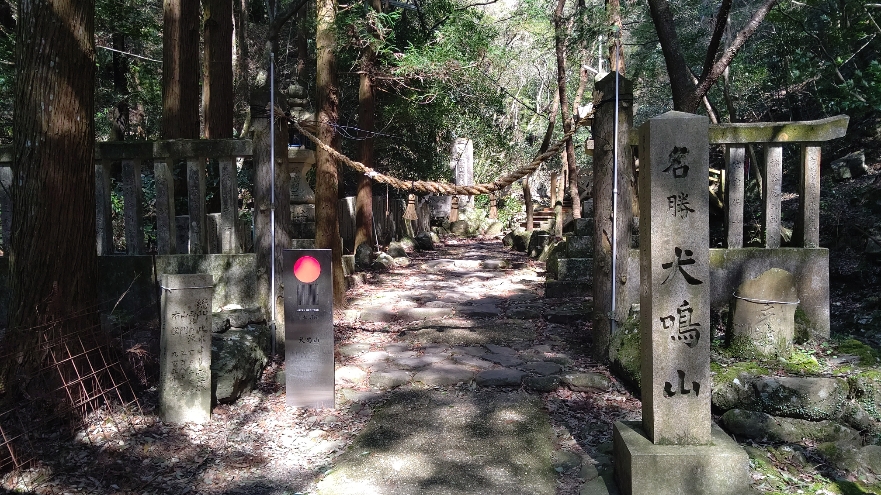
[643, 468]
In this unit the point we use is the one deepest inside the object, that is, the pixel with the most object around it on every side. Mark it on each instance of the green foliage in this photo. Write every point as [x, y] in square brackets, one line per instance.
[140, 25]
[508, 208]
[807, 60]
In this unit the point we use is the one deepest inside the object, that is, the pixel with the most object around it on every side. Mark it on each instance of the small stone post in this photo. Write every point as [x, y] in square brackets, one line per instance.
[185, 348]
[735, 156]
[454, 209]
[410, 216]
[493, 206]
[773, 194]
[166, 226]
[133, 193]
[462, 163]
[229, 206]
[676, 449]
[104, 228]
[196, 202]
[808, 225]
[6, 207]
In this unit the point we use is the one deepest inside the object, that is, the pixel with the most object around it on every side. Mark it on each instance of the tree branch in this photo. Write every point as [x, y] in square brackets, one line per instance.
[739, 40]
[279, 21]
[721, 24]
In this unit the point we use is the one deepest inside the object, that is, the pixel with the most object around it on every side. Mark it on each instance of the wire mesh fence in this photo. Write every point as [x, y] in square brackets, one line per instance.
[84, 369]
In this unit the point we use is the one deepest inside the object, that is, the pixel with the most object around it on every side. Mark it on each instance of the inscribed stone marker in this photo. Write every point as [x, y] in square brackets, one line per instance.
[185, 348]
[308, 310]
[675, 303]
[764, 313]
[462, 163]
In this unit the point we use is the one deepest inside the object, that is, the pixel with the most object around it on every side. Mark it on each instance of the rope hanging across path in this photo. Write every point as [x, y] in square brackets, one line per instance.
[444, 188]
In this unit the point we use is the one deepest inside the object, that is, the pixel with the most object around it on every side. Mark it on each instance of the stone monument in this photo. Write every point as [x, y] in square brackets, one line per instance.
[185, 348]
[676, 449]
[301, 161]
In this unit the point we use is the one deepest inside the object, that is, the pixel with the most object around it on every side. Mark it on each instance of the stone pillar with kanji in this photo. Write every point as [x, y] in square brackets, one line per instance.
[676, 448]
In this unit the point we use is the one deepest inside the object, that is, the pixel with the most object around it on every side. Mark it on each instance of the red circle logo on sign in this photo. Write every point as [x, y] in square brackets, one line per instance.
[307, 269]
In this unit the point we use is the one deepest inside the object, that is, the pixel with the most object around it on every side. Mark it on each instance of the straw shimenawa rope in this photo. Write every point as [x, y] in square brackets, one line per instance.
[444, 188]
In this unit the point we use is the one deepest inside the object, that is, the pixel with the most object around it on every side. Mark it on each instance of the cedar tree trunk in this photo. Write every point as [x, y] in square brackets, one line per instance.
[53, 258]
[217, 85]
[327, 225]
[180, 69]
[367, 124]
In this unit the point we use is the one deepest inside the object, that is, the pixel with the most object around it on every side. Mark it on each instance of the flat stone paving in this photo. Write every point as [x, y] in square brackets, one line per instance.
[455, 390]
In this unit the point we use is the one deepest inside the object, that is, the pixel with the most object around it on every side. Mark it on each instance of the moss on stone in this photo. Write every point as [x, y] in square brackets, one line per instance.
[868, 356]
[726, 374]
[803, 326]
[624, 351]
[865, 388]
[801, 363]
[741, 347]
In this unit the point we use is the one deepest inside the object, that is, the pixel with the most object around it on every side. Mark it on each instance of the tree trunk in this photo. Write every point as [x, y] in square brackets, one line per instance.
[564, 106]
[327, 230]
[242, 84]
[603, 193]
[687, 95]
[53, 259]
[217, 85]
[180, 70]
[616, 50]
[263, 214]
[681, 84]
[527, 201]
[367, 124]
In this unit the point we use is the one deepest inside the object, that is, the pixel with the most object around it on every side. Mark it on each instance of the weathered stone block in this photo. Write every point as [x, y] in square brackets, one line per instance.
[537, 242]
[764, 427]
[802, 397]
[580, 269]
[644, 468]
[579, 246]
[238, 358]
[584, 225]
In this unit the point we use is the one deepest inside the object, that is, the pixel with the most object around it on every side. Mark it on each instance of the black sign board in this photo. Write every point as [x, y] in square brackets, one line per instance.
[308, 310]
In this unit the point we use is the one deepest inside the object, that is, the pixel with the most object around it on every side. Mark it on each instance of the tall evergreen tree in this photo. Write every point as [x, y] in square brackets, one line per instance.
[53, 259]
